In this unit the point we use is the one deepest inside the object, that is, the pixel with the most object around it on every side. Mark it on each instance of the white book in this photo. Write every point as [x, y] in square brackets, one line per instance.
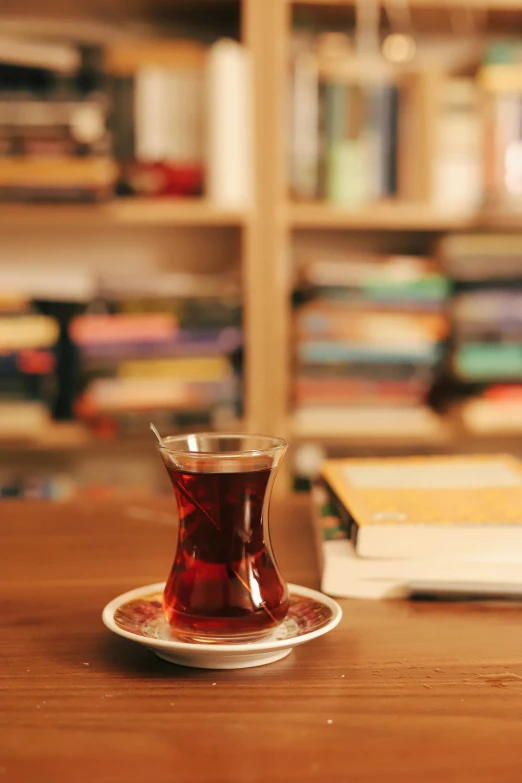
[349, 576]
[360, 422]
[37, 54]
[185, 136]
[151, 113]
[229, 125]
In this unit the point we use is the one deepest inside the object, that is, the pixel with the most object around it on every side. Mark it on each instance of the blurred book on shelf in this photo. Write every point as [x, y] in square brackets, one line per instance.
[145, 117]
[392, 528]
[487, 328]
[370, 334]
[420, 128]
[27, 367]
[181, 119]
[54, 141]
[501, 79]
[169, 345]
[113, 351]
[343, 132]
[157, 116]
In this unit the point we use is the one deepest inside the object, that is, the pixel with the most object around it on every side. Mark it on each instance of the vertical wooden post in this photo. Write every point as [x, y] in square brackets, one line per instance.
[265, 28]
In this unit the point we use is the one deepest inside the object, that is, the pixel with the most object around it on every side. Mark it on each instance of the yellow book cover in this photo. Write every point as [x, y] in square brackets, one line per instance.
[192, 369]
[419, 506]
[27, 331]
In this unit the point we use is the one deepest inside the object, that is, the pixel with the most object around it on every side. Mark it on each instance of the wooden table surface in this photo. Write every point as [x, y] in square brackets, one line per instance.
[400, 692]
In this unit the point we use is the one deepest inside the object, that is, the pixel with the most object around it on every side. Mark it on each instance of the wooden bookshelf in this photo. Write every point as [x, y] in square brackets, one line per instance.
[123, 212]
[265, 234]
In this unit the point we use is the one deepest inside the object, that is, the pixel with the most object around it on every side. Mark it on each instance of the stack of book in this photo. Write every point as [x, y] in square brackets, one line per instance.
[157, 115]
[27, 368]
[54, 141]
[421, 526]
[142, 117]
[371, 335]
[367, 128]
[181, 119]
[343, 129]
[487, 327]
[168, 347]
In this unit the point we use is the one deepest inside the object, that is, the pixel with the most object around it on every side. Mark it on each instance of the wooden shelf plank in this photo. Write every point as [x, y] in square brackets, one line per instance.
[66, 436]
[74, 436]
[492, 5]
[124, 212]
[386, 216]
[197, 212]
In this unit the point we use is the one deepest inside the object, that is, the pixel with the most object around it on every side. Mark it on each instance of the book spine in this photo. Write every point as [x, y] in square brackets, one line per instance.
[122, 117]
[376, 138]
[193, 369]
[229, 124]
[330, 351]
[151, 114]
[304, 131]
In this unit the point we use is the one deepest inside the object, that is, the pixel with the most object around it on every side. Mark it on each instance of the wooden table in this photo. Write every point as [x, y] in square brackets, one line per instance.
[405, 692]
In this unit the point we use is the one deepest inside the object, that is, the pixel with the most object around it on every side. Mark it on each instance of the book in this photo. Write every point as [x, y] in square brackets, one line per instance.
[106, 395]
[336, 351]
[186, 343]
[27, 331]
[57, 57]
[430, 508]
[229, 113]
[49, 177]
[91, 329]
[417, 423]
[187, 369]
[327, 320]
[383, 139]
[457, 182]
[345, 575]
[487, 417]
[309, 391]
[502, 85]
[304, 121]
[488, 361]
[483, 257]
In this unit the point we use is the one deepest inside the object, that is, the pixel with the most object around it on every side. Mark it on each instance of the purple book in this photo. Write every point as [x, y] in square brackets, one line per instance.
[186, 343]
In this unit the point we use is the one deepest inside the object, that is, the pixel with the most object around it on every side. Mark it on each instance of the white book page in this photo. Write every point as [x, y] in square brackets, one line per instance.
[450, 475]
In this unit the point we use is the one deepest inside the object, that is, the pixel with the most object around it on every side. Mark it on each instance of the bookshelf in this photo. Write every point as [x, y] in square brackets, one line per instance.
[267, 232]
[294, 225]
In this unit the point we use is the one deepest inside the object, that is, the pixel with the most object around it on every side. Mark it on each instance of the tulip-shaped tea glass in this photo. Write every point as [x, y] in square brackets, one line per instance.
[224, 585]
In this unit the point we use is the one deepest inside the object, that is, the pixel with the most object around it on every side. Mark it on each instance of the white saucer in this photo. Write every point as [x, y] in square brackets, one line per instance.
[138, 615]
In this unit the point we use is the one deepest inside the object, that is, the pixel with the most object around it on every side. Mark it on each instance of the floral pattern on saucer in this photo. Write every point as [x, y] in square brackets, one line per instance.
[144, 617]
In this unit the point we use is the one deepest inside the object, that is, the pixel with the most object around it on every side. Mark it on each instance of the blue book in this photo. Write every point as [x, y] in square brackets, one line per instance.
[325, 351]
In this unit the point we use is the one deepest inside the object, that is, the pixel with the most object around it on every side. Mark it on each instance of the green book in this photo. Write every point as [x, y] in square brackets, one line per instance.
[488, 361]
[347, 181]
